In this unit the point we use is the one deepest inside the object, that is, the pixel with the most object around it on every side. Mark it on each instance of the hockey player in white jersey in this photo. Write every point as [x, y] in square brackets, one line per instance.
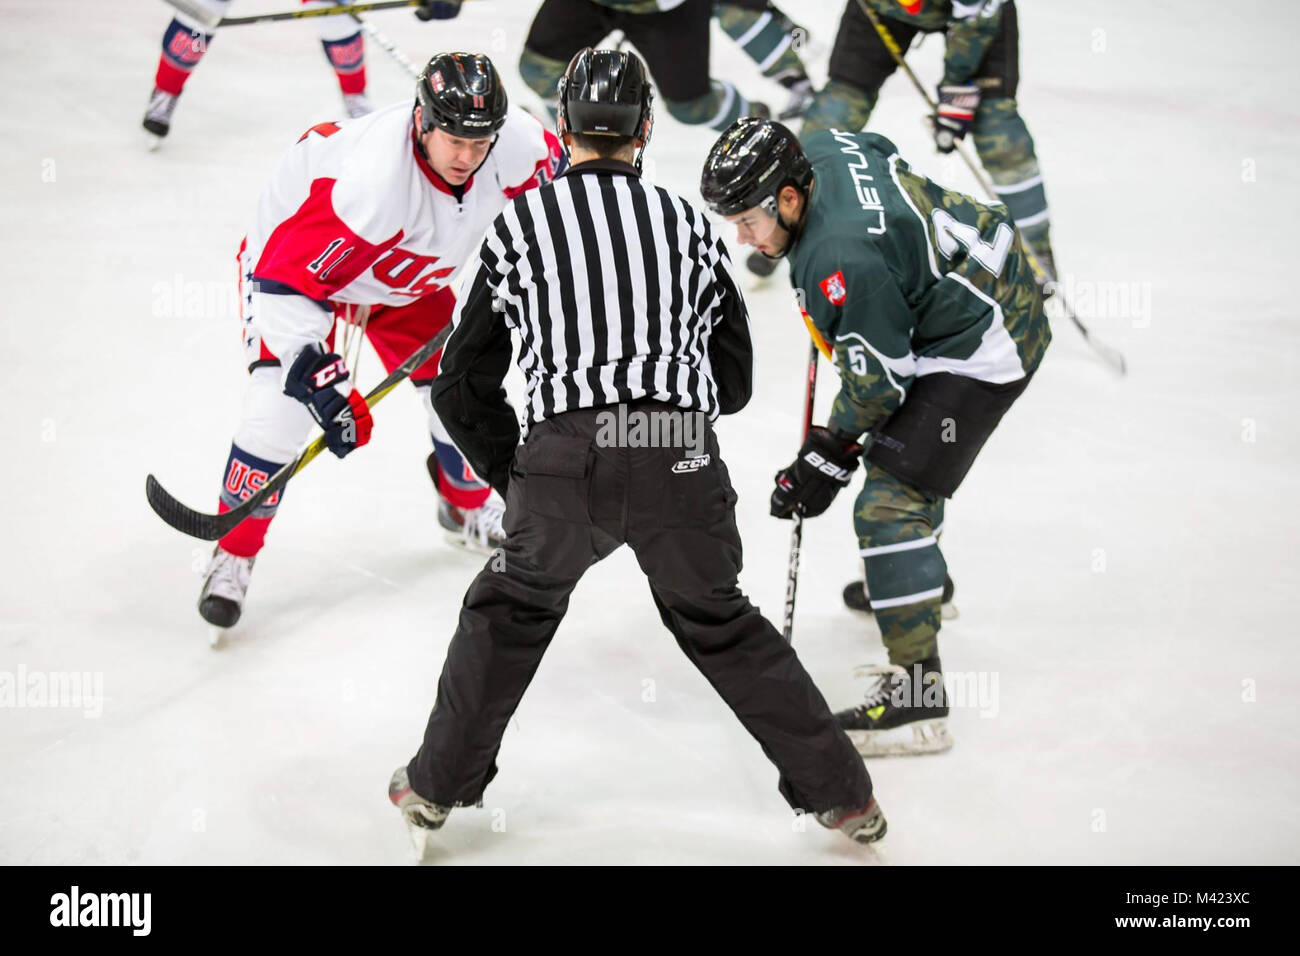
[367, 222]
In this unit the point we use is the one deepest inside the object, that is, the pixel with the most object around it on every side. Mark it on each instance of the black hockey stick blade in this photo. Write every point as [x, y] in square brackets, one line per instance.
[210, 527]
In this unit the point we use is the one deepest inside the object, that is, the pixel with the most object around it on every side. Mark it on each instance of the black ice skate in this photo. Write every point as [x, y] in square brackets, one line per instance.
[158, 115]
[222, 599]
[905, 712]
[861, 825]
[855, 598]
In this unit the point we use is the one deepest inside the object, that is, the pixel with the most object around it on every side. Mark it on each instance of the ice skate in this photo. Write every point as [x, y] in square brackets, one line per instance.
[357, 105]
[905, 712]
[861, 825]
[801, 93]
[421, 816]
[158, 116]
[222, 599]
[855, 598]
[474, 529]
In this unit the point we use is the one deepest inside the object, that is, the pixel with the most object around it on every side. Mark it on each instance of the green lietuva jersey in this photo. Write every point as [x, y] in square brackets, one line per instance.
[902, 278]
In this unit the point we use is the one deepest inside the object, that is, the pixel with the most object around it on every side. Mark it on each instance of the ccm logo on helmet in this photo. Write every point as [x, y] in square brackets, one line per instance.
[329, 374]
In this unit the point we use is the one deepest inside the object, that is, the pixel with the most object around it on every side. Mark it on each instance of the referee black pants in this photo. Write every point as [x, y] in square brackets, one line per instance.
[573, 500]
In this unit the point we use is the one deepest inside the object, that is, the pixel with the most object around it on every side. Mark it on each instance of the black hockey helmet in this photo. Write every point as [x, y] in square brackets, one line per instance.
[606, 93]
[461, 94]
[751, 162]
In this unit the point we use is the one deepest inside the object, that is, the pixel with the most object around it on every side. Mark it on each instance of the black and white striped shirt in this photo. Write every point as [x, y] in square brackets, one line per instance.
[619, 290]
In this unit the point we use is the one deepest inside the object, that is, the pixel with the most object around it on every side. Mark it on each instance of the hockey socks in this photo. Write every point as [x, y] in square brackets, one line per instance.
[182, 48]
[245, 474]
[348, 57]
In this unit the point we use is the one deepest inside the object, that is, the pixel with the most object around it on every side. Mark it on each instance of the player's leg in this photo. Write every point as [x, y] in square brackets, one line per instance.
[859, 64]
[271, 431]
[467, 510]
[183, 45]
[345, 48]
[771, 40]
[675, 45]
[512, 609]
[682, 526]
[897, 526]
[1004, 145]
[559, 30]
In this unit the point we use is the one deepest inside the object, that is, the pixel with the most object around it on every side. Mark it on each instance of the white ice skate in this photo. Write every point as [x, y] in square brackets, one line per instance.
[422, 817]
[158, 116]
[357, 104]
[222, 599]
[475, 529]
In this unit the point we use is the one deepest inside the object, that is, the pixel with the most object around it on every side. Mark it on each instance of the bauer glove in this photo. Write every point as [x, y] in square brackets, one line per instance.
[957, 106]
[825, 464]
[437, 9]
[319, 380]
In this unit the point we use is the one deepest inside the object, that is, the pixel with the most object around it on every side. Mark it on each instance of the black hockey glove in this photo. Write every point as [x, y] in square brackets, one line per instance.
[319, 380]
[825, 464]
[957, 106]
[437, 9]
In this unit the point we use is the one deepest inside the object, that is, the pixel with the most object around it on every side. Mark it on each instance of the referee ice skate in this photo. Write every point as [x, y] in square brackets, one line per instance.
[622, 295]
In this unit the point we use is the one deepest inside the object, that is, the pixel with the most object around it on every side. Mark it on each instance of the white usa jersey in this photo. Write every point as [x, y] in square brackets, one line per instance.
[354, 214]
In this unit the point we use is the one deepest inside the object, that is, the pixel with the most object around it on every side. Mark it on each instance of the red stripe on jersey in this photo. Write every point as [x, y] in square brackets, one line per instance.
[545, 169]
[314, 251]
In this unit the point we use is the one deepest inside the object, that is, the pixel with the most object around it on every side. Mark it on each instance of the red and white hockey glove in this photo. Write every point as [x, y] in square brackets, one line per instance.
[825, 464]
[957, 106]
[319, 380]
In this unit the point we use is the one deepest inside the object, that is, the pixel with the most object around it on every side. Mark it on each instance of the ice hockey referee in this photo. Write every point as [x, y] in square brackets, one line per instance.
[623, 298]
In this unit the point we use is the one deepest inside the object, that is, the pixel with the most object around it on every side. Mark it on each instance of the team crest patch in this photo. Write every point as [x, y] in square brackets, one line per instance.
[435, 80]
[834, 289]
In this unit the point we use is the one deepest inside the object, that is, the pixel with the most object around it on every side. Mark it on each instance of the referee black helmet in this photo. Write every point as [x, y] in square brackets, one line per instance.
[606, 93]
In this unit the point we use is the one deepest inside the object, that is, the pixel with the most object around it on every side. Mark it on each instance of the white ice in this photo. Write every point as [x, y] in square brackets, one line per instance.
[1123, 550]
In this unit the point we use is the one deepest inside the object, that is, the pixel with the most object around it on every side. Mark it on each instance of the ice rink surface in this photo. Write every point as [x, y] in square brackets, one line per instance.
[1123, 551]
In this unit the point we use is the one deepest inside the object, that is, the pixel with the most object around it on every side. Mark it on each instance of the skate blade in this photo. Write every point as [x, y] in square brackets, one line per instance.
[949, 612]
[456, 539]
[217, 637]
[922, 737]
[152, 142]
[420, 839]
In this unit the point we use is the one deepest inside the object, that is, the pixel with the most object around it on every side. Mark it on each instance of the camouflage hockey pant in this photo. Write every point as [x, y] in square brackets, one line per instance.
[898, 530]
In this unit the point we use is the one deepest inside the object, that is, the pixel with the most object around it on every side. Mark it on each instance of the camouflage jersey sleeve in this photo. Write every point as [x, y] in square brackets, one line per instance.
[972, 28]
[855, 303]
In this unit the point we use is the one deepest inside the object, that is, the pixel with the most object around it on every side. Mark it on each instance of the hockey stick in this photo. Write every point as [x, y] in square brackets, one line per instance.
[796, 533]
[385, 44]
[210, 21]
[1108, 354]
[210, 527]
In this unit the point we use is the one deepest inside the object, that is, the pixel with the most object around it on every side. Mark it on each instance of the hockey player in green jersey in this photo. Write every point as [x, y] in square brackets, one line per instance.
[927, 302]
[977, 94]
[981, 72]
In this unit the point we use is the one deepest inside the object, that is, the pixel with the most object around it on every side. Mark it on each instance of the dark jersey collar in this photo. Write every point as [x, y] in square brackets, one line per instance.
[603, 166]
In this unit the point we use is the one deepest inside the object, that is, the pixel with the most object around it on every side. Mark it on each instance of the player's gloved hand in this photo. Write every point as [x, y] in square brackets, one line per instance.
[957, 106]
[319, 380]
[437, 9]
[825, 464]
